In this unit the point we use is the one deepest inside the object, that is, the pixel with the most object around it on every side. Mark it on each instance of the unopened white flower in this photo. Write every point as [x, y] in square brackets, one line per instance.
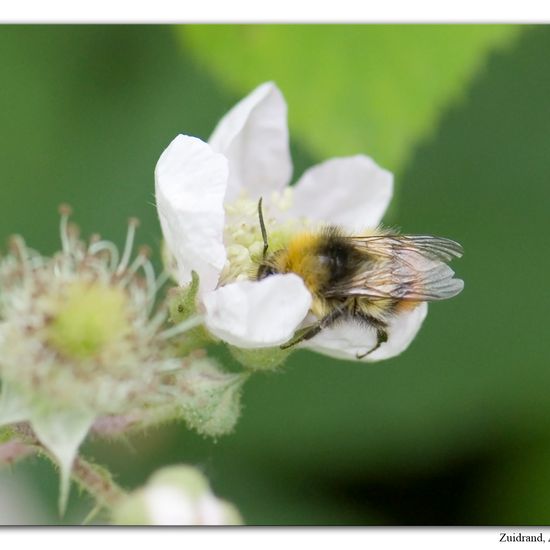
[207, 198]
[176, 495]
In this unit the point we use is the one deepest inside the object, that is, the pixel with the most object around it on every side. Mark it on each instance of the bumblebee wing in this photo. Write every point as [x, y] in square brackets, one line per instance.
[404, 267]
[434, 248]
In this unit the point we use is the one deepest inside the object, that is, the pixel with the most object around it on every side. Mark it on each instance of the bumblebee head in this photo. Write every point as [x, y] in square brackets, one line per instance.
[265, 270]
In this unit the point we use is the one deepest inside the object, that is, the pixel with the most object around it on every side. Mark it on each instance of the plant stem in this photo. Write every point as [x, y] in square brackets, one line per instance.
[93, 478]
[98, 482]
[13, 451]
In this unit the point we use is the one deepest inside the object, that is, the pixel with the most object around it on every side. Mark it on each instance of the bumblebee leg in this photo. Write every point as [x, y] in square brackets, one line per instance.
[381, 334]
[310, 332]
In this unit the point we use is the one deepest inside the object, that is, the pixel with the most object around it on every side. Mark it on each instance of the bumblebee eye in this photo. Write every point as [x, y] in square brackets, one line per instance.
[265, 271]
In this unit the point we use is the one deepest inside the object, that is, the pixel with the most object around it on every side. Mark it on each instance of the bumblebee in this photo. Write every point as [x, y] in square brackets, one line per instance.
[367, 278]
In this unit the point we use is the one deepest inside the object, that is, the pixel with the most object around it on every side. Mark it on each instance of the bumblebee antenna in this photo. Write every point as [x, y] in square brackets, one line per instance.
[262, 226]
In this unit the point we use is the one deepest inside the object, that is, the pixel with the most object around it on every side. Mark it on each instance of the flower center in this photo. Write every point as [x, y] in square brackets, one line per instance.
[88, 318]
[243, 237]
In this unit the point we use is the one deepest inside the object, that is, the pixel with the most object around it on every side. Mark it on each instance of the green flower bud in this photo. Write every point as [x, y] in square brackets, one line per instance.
[260, 359]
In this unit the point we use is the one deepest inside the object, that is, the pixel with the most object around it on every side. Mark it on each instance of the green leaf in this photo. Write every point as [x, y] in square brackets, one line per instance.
[209, 398]
[376, 89]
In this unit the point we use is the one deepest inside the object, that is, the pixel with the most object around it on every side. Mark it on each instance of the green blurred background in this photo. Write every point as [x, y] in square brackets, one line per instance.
[456, 431]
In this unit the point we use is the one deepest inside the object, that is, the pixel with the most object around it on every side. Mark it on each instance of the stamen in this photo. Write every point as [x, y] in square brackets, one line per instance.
[161, 280]
[157, 321]
[182, 327]
[169, 367]
[75, 246]
[65, 211]
[149, 271]
[151, 285]
[140, 261]
[100, 246]
[128, 246]
[18, 246]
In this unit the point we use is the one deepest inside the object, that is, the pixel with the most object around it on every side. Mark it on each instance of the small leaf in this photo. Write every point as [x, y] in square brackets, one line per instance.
[209, 398]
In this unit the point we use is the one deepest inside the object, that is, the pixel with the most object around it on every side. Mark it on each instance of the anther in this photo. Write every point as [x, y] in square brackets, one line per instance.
[145, 251]
[65, 210]
[16, 244]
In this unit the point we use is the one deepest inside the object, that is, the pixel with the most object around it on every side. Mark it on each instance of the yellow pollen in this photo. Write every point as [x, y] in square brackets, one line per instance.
[243, 237]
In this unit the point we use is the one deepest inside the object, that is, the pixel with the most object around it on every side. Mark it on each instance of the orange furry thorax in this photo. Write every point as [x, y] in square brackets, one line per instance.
[300, 257]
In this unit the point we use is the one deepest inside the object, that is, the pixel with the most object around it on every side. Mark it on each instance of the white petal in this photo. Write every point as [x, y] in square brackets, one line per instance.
[253, 314]
[253, 135]
[62, 432]
[211, 510]
[190, 183]
[167, 505]
[349, 339]
[353, 192]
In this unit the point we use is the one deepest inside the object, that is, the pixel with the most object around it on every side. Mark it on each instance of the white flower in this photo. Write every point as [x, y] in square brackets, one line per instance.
[207, 195]
[176, 495]
[81, 341]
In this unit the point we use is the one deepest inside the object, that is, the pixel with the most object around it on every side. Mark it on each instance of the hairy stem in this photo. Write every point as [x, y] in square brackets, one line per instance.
[95, 479]
[98, 482]
[13, 451]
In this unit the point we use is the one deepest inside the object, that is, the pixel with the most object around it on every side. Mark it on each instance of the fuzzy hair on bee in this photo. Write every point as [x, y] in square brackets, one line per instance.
[368, 278]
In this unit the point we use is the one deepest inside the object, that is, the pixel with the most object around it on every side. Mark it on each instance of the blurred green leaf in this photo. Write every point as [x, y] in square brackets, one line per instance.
[352, 88]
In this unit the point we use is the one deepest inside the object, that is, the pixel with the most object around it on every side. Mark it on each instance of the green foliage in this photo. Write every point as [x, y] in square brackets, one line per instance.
[377, 89]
